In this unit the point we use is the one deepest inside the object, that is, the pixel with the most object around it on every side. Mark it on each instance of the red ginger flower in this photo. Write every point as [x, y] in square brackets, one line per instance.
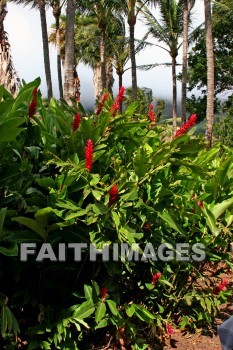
[220, 287]
[103, 99]
[169, 328]
[116, 105]
[33, 104]
[103, 293]
[89, 154]
[151, 113]
[113, 194]
[156, 277]
[76, 122]
[184, 127]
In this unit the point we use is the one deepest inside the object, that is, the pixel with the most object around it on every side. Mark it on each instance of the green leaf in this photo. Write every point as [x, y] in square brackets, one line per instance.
[32, 224]
[80, 212]
[115, 218]
[9, 248]
[100, 311]
[145, 311]
[97, 194]
[130, 310]
[171, 222]
[88, 293]
[103, 323]
[210, 220]
[2, 219]
[84, 312]
[112, 307]
[9, 129]
[220, 208]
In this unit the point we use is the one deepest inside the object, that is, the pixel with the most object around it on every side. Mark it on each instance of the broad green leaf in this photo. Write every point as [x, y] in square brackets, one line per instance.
[100, 311]
[9, 248]
[2, 219]
[130, 310]
[103, 323]
[88, 293]
[112, 307]
[84, 312]
[220, 208]
[32, 224]
[115, 218]
[171, 222]
[210, 220]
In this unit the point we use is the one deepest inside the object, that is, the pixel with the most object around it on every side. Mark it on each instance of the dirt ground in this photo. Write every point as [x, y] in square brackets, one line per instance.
[210, 341]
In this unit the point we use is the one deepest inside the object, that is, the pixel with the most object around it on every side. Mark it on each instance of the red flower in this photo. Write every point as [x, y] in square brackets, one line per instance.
[76, 122]
[169, 328]
[220, 287]
[103, 293]
[156, 277]
[146, 226]
[89, 154]
[184, 127]
[151, 113]
[103, 99]
[113, 194]
[116, 105]
[33, 104]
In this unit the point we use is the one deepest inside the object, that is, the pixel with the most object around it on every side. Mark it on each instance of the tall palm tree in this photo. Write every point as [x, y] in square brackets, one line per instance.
[40, 4]
[187, 7]
[8, 75]
[57, 7]
[168, 31]
[69, 52]
[210, 73]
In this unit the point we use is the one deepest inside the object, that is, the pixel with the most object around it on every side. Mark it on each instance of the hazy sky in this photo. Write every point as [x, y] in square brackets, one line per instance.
[23, 27]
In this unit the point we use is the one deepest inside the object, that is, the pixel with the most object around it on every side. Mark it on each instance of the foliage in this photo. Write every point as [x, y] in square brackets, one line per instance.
[164, 191]
[198, 105]
[222, 33]
[223, 126]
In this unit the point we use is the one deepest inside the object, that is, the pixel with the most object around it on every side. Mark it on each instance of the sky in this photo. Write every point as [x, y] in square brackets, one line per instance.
[24, 30]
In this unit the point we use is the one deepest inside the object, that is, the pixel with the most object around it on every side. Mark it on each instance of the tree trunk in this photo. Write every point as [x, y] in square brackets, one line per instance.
[69, 52]
[8, 75]
[210, 74]
[57, 13]
[109, 76]
[174, 96]
[184, 60]
[97, 81]
[44, 32]
[120, 80]
[102, 59]
[132, 22]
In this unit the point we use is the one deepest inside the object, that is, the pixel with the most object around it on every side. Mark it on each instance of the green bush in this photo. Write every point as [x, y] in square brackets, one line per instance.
[138, 190]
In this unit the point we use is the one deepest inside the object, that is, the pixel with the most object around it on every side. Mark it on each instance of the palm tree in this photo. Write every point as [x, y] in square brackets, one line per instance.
[8, 75]
[168, 31]
[57, 7]
[40, 4]
[210, 73]
[187, 6]
[69, 52]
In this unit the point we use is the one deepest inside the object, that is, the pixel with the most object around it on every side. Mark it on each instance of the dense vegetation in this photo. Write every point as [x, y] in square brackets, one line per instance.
[68, 177]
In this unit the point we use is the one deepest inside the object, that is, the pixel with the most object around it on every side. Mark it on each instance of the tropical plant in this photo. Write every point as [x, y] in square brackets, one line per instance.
[105, 179]
[168, 31]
